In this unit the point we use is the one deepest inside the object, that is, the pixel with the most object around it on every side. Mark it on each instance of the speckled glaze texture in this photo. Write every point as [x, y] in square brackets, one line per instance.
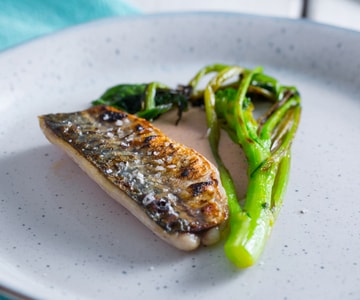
[61, 237]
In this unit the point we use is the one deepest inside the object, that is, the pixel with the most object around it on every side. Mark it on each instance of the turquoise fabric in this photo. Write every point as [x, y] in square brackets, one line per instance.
[22, 20]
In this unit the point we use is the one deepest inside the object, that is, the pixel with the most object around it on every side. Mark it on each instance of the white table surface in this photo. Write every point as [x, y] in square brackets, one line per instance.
[342, 13]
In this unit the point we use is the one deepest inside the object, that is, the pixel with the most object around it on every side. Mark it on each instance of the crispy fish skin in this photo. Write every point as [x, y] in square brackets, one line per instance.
[171, 188]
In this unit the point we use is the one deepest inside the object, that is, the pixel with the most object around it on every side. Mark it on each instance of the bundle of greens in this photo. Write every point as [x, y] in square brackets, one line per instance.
[230, 98]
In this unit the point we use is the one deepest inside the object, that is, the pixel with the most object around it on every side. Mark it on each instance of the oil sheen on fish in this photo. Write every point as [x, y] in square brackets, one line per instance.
[171, 188]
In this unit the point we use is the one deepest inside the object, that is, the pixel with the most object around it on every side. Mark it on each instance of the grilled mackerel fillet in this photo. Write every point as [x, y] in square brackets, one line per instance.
[171, 188]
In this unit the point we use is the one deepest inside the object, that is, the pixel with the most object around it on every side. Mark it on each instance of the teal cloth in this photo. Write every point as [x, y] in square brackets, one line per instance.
[22, 20]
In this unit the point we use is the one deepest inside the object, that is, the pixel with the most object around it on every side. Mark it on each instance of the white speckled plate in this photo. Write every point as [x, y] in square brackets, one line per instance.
[61, 237]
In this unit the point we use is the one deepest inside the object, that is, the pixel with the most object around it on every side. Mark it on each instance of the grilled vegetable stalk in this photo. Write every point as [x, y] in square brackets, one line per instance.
[229, 99]
[266, 143]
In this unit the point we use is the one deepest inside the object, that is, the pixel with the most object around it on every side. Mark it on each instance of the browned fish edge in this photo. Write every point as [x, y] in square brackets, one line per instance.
[185, 240]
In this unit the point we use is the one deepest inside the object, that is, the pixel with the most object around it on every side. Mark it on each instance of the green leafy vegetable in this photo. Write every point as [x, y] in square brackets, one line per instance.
[148, 101]
[230, 98]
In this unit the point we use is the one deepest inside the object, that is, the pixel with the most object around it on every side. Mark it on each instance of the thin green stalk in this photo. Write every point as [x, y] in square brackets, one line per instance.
[268, 170]
[280, 184]
[214, 138]
[250, 228]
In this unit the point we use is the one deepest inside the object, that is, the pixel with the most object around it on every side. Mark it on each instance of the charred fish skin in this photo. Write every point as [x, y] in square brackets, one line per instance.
[176, 187]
